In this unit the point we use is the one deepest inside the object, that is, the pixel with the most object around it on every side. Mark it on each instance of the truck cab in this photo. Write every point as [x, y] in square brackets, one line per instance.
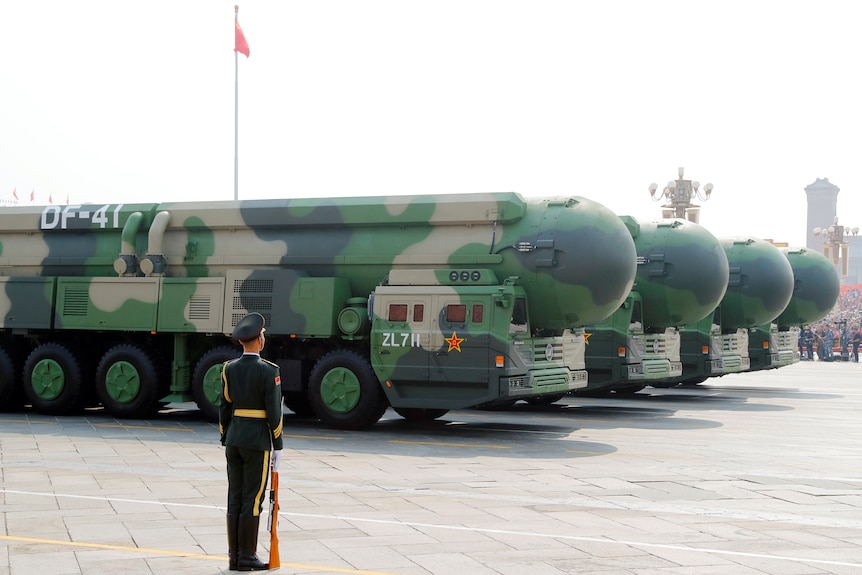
[623, 356]
[707, 351]
[454, 339]
[770, 347]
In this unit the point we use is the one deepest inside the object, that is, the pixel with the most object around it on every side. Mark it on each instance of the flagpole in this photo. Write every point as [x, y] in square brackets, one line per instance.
[236, 114]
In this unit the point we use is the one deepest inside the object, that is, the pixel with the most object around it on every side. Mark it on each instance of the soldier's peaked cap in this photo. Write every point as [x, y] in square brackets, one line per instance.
[249, 327]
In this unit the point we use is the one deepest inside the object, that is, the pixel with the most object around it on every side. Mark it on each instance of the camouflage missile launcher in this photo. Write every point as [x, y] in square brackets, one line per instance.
[759, 289]
[770, 348]
[681, 277]
[421, 303]
[816, 287]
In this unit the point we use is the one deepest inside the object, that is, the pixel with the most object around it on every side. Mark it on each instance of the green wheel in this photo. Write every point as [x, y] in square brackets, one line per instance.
[340, 390]
[129, 382]
[122, 382]
[206, 379]
[53, 379]
[344, 392]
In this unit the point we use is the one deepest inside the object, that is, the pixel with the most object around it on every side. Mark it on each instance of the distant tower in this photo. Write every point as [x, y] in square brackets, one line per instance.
[822, 209]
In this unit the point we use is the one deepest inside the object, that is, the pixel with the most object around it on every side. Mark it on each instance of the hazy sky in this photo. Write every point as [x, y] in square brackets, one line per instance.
[130, 101]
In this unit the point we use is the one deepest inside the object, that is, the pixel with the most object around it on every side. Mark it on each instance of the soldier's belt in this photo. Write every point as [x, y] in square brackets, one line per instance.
[252, 413]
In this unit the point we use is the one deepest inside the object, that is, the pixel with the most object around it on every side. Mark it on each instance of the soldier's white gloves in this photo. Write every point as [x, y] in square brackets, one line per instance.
[276, 459]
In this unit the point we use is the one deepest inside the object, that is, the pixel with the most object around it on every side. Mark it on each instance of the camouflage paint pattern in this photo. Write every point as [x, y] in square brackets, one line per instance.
[760, 286]
[574, 257]
[682, 275]
[682, 272]
[701, 347]
[472, 328]
[165, 279]
[816, 287]
[770, 348]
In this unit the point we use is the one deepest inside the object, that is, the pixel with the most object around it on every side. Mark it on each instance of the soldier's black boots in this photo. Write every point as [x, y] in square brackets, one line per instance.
[232, 540]
[247, 538]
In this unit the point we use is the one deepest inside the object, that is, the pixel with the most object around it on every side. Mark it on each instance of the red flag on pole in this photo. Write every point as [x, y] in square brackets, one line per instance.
[240, 45]
[15, 193]
[33, 195]
[51, 198]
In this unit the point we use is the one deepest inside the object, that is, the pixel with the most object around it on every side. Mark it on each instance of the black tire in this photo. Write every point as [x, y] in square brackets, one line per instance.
[299, 404]
[420, 413]
[344, 391]
[664, 384]
[594, 393]
[11, 393]
[545, 399]
[130, 382]
[628, 389]
[207, 381]
[497, 405]
[53, 380]
[694, 380]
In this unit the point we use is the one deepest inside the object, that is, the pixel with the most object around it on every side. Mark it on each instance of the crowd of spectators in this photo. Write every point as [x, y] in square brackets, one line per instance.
[839, 334]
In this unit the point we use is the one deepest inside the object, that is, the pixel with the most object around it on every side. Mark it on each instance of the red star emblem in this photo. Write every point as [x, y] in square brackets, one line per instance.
[454, 342]
[587, 338]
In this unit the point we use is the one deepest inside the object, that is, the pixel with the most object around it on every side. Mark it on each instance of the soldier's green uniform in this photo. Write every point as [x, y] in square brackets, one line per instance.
[250, 422]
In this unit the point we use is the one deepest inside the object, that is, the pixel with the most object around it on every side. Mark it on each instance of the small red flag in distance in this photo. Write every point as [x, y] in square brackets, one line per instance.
[241, 45]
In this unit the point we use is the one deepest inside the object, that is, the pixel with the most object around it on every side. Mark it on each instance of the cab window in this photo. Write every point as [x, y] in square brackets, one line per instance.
[637, 317]
[456, 313]
[519, 316]
[397, 312]
[478, 313]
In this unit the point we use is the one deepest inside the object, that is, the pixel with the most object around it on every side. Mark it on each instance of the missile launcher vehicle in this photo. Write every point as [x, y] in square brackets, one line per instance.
[421, 303]
[759, 288]
[816, 287]
[682, 276]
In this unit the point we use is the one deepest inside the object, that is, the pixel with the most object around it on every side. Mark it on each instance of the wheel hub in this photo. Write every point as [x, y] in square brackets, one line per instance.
[48, 379]
[122, 382]
[340, 390]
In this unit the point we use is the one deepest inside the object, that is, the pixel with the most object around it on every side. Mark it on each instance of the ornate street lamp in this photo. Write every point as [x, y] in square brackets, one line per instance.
[835, 246]
[678, 195]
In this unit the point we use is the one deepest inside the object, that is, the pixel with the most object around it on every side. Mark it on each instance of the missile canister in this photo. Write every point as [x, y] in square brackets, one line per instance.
[760, 284]
[816, 287]
[759, 288]
[136, 281]
[682, 272]
[682, 275]
[573, 255]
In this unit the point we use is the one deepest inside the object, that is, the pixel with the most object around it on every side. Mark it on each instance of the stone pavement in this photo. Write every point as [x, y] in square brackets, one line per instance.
[756, 473]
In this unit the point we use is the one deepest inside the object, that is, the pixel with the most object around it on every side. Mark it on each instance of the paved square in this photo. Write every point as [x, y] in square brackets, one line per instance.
[748, 474]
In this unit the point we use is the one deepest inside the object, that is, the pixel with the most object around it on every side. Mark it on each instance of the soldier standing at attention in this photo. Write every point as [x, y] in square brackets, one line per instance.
[250, 423]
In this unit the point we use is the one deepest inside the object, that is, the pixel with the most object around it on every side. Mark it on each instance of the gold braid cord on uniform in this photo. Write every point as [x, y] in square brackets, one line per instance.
[224, 379]
[226, 395]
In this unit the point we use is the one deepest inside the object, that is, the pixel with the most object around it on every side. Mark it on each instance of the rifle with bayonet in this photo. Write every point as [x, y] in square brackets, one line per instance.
[274, 558]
